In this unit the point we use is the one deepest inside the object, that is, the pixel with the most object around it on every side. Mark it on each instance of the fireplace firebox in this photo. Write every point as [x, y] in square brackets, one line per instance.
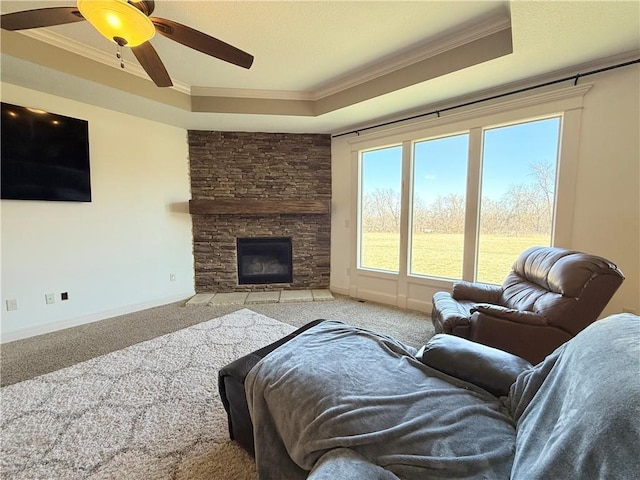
[264, 260]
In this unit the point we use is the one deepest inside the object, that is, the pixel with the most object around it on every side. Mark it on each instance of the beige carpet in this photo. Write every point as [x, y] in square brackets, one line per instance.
[149, 411]
[28, 358]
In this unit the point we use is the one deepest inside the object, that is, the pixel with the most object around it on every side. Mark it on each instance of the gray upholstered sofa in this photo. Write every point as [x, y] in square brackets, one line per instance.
[334, 401]
[548, 297]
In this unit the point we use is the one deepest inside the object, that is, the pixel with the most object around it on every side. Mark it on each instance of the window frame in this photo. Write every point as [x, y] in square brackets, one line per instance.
[413, 291]
[483, 130]
[409, 249]
[473, 198]
[360, 202]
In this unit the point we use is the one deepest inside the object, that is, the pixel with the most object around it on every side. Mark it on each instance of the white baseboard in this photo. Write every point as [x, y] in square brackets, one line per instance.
[378, 297]
[402, 302]
[340, 291]
[94, 317]
[419, 306]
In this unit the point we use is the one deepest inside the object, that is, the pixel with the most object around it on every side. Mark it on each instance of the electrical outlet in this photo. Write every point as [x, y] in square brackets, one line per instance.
[12, 304]
[172, 277]
[50, 298]
[64, 296]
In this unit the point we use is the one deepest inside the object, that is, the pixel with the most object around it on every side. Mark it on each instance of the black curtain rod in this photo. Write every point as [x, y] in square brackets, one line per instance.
[575, 79]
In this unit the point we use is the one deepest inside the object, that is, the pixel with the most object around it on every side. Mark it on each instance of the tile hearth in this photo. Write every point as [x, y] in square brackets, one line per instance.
[248, 298]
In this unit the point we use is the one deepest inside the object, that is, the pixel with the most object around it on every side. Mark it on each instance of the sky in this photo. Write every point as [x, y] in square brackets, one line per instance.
[441, 164]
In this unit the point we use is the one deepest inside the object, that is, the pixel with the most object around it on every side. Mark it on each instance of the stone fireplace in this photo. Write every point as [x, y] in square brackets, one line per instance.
[258, 189]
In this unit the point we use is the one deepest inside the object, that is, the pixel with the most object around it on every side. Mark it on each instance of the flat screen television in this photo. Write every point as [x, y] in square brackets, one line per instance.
[45, 156]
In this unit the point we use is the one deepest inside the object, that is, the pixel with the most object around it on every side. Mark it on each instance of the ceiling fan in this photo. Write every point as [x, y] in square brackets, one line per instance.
[127, 23]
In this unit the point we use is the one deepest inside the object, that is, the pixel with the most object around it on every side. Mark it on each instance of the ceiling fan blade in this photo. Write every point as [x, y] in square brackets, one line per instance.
[40, 17]
[150, 61]
[202, 42]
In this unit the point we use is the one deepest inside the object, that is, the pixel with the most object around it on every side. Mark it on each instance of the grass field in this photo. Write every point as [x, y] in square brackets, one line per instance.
[440, 255]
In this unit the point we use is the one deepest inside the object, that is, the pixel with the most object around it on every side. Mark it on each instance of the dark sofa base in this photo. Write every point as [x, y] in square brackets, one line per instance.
[231, 387]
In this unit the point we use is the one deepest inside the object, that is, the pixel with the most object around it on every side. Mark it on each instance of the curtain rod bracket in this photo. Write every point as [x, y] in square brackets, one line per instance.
[575, 82]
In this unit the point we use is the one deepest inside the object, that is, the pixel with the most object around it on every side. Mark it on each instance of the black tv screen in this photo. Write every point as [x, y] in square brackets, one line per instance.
[45, 156]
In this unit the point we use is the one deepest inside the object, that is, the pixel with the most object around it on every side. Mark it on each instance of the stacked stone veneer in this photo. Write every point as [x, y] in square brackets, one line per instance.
[243, 165]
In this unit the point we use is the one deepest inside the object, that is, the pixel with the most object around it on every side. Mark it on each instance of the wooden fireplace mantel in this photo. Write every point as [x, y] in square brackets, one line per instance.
[232, 206]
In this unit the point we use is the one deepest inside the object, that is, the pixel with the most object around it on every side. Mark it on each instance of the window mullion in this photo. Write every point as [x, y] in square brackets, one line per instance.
[472, 211]
[355, 229]
[405, 202]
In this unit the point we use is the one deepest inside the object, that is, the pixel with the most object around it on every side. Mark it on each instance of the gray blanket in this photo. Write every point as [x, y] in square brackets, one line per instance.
[342, 402]
[338, 402]
[578, 412]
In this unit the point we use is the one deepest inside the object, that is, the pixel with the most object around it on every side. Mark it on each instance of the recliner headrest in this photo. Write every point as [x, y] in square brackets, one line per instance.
[563, 271]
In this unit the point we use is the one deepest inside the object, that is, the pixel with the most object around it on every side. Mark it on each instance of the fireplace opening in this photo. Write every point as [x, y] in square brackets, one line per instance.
[264, 260]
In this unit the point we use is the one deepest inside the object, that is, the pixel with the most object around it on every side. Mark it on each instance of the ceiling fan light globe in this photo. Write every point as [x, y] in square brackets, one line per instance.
[118, 19]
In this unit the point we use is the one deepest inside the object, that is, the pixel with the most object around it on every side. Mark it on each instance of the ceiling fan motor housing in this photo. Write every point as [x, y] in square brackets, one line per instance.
[145, 6]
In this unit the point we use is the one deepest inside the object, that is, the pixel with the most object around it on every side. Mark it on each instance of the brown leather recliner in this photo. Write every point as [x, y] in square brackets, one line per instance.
[550, 295]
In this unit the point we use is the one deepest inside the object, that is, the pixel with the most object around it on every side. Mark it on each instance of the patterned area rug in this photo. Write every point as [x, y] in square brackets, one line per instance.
[151, 410]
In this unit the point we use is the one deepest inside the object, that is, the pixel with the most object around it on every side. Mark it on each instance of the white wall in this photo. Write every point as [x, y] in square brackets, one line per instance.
[607, 203]
[113, 255]
[604, 218]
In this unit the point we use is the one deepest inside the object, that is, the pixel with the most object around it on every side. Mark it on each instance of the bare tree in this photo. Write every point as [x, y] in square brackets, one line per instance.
[525, 208]
[420, 215]
[381, 211]
[544, 174]
[447, 213]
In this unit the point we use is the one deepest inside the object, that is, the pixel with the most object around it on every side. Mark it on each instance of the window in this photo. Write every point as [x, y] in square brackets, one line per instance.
[511, 170]
[519, 164]
[438, 206]
[380, 208]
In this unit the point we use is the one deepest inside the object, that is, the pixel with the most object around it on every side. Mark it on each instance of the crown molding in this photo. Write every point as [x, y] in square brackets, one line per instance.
[426, 50]
[389, 65]
[249, 93]
[43, 54]
[481, 50]
[37, 49]
[95, 54]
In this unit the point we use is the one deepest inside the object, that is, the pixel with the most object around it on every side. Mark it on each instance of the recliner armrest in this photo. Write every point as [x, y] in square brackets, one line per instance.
[518, 316]
[489, 368]
[476, 292]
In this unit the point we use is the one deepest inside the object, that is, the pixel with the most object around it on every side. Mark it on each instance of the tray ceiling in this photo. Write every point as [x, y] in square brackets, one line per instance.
[322, 66]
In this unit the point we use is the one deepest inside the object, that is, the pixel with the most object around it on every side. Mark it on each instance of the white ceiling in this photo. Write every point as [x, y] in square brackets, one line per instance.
[307, 50]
